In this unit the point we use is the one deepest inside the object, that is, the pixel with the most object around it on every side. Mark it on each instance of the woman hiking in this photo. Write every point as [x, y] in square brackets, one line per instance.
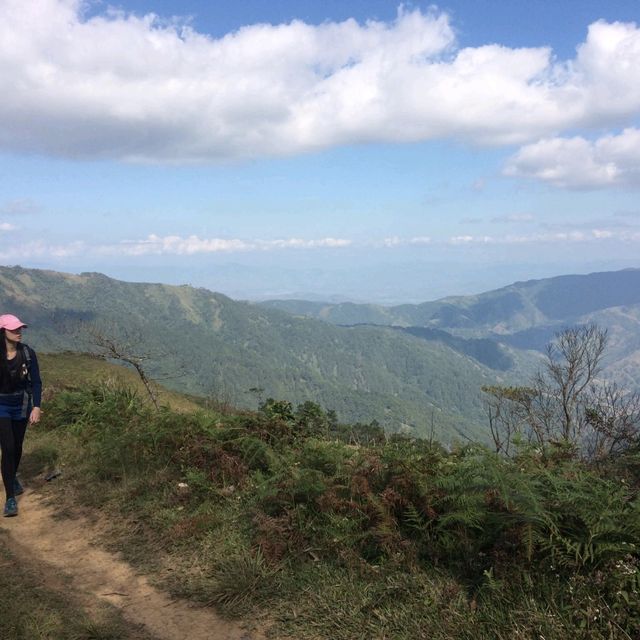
[20, 393]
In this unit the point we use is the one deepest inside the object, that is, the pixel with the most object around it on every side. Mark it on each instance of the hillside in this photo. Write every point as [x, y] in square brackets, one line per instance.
[301, 528]
[70, 370]
[524, 315]
[514, 308]
[206, 344]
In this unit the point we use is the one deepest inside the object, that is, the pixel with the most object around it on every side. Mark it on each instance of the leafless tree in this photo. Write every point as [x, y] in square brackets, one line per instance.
[123, 351]
[565, 402]
[613, 420]
[573, 362]
[507, 413]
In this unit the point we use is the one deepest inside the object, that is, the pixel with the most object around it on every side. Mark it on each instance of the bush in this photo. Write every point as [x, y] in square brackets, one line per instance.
[537, 542]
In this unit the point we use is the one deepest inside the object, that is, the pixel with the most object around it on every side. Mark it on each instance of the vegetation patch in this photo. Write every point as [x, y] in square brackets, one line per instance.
[339, 531]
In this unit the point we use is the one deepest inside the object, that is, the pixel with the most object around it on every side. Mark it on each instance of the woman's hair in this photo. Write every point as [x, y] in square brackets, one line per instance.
[4, 366]
[5, 376]
[3, 348]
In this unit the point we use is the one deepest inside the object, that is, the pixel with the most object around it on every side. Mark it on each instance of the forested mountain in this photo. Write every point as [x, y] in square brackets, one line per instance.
[524, 315]
[411, 367]
[207, 344]
[517, 307]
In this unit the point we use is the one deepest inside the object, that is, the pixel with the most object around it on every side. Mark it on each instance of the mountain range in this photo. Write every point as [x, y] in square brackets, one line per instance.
[413, 368]
[523, 315]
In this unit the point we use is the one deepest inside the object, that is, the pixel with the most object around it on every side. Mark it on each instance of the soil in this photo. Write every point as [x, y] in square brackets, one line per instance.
[66, 556]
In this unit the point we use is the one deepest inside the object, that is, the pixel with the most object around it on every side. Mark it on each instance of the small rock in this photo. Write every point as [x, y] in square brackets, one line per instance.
[183, 488]
[227, 491]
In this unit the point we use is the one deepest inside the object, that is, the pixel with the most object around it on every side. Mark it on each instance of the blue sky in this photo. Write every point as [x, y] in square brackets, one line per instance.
[362, 150]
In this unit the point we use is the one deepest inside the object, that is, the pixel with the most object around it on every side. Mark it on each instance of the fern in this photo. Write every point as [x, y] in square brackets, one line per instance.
[413, 520]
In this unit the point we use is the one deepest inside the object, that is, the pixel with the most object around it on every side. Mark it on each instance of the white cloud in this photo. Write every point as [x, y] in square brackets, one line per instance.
[467, 239]
[7, 226]
[560, 237]
[397, 241]
[134, 88]
[602, 233]
[37, 249]
[155, 245]
[577, 163]
[177, 245]
[299, 243]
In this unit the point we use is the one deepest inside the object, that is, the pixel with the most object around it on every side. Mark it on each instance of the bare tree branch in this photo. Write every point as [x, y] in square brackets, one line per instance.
[566, 403]
[111, 348]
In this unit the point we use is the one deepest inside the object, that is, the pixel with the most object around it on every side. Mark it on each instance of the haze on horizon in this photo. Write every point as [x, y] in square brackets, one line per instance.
[371, 151]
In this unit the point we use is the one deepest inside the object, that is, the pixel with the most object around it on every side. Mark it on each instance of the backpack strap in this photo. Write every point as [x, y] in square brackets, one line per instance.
[25, 353]
[26, 360]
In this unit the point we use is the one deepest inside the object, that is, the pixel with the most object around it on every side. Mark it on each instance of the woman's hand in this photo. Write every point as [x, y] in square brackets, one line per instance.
[34, 416]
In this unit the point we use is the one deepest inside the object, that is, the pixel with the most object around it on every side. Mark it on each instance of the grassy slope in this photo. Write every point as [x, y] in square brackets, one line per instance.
[331, 540]
[36, 604]
[76, 370]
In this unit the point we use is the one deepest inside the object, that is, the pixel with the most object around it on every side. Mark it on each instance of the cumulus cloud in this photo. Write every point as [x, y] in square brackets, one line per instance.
[578, 163]
[138, 89]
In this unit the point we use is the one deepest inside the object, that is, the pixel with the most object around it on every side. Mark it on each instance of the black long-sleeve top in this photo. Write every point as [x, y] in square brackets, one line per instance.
[17, 380]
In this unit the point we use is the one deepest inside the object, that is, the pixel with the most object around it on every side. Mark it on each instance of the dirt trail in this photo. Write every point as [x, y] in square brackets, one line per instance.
[64, 546]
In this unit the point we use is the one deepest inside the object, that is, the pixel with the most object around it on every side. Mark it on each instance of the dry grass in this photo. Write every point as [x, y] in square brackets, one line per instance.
[75, 370]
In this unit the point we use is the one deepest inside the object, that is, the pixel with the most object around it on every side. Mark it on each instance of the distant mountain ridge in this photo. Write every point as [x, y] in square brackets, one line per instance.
[237, 351]
[408, 367]
[516, 307]
[524, 315]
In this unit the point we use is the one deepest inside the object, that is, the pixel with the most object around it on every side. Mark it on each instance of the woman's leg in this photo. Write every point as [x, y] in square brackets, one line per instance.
[19, 430]
[8, 463]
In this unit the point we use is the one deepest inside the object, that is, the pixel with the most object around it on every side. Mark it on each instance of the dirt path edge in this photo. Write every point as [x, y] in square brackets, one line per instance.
[65, 545]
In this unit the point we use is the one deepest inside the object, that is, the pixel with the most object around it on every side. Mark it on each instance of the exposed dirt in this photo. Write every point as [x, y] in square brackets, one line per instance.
[63, 548]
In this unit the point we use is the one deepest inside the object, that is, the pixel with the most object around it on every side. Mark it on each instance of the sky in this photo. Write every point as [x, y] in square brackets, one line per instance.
[327, 149]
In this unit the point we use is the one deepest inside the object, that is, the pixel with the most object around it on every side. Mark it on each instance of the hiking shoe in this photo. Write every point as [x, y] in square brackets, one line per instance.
[18, 489]
[10, 508]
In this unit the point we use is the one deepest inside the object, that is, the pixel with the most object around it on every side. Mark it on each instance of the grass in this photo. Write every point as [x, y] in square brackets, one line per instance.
[262, 517]
[36, 606]
[77, 370]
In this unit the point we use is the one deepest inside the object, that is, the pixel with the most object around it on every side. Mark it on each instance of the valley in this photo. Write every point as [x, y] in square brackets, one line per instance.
[413, 369]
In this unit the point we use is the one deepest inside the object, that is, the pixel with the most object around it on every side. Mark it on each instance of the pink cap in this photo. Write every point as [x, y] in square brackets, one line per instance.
[7, 321]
